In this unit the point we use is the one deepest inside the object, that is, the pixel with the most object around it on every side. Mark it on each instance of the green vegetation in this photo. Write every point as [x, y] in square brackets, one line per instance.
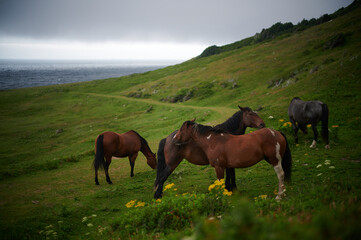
[279, 29]
[47, 135]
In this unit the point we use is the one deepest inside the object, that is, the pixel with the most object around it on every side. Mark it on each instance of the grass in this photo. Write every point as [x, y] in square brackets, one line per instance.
[46, 180]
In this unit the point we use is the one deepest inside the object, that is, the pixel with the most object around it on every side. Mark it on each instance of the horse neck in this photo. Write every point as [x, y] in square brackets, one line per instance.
[234, 125]
[145, 149]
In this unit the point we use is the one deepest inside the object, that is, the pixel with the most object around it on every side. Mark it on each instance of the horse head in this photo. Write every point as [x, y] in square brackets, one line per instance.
[152, 160]
[184, 134]
[251, 119]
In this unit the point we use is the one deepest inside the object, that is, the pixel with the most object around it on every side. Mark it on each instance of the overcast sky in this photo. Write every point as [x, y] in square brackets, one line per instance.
[140, 29]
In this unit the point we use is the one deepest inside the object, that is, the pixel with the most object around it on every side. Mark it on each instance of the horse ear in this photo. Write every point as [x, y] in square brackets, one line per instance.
[242, 109]
[193, 120]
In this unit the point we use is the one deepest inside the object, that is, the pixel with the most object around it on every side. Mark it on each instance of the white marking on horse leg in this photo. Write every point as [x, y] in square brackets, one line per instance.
[281, 186]
[273, 133]
[327, 146]
[278, 155]
[313, 145]
[209, 137]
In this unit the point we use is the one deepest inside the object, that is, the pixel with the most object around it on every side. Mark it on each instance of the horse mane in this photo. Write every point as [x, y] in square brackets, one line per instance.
[143, 141]
[203, 130]
[295, 98]
[233, 123]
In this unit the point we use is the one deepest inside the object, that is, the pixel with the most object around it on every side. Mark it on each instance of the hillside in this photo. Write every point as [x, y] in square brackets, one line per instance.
[47, 183]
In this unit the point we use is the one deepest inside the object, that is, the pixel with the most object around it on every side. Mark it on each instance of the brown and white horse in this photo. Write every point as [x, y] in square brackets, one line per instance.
[171, 155]
[112, 144]
[240, 151]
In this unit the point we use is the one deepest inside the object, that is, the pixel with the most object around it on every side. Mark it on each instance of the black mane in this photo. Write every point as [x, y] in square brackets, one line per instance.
[232, 124]
[203, 130]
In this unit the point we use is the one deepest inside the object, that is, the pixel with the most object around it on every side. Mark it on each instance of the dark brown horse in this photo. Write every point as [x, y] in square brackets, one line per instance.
[111, 144]
[231, 151]
[171, 155]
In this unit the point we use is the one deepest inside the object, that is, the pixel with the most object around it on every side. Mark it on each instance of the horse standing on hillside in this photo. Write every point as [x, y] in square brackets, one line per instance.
[302, 113]
[109, 144]
[240, 151]
[170, 155]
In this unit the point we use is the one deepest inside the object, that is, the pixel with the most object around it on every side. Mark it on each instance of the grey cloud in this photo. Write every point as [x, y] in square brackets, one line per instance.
[206, 21]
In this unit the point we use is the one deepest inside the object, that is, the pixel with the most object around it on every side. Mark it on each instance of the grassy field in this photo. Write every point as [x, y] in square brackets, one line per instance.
[47, 185]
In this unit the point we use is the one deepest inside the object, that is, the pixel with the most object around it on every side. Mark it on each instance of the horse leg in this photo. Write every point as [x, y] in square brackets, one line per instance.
[280, 175]
[132, 162]
[96, 177]
[160, 182]
[303, 128]
[315, 135]
[233, 179]
[295, 130]
[108, 161]
[219, 172]
[163, 174]
[230, 179]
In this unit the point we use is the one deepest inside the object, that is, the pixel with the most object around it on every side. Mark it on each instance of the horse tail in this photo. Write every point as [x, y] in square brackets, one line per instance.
[287, 161]
[324, 130]
[161, 165]
[99, 154]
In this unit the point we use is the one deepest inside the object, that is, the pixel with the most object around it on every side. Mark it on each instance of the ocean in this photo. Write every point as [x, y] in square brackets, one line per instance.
[32, 73]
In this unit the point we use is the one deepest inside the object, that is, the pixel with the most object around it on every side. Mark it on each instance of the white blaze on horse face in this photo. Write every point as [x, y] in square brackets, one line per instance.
[209, 137]
[273, 133]
[222, 134]
[175, 135]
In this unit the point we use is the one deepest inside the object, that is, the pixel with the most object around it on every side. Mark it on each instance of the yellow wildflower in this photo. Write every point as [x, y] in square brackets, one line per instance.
[227, 193]
[335, 126]
[211, 187]
[287, 124]
[140, 204]
[159, 200]
[309, 125]
[130, 204]
[281, 120]
[168, 186]
[263, 196]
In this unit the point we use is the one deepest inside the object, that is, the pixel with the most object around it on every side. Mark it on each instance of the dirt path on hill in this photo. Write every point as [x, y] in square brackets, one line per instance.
[223, 111]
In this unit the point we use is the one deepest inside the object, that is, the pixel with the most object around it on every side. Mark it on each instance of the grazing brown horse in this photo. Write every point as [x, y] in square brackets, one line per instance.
[109, 144]
[240, 151]
[171, 155]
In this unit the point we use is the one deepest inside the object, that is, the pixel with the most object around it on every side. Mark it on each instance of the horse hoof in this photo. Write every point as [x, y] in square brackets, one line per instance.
[313, 145]
[96, 183]
[110, 182]
[327, 146]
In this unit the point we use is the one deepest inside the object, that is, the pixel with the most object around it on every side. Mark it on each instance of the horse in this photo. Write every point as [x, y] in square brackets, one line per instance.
[302, 113]
[171, 155]
[240, 151]
[109, 144]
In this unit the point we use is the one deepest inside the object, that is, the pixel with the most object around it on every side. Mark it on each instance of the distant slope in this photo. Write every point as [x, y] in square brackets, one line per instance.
[277, 30]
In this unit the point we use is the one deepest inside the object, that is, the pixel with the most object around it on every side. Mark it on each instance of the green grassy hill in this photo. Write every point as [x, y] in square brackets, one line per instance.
[46, 177]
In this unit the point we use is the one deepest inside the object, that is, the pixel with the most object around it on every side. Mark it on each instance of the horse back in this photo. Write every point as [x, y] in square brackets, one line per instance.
[305, 112]
[121, 145]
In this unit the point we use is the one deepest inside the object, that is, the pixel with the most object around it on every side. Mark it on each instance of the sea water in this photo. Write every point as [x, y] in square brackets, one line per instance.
[32, 73]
